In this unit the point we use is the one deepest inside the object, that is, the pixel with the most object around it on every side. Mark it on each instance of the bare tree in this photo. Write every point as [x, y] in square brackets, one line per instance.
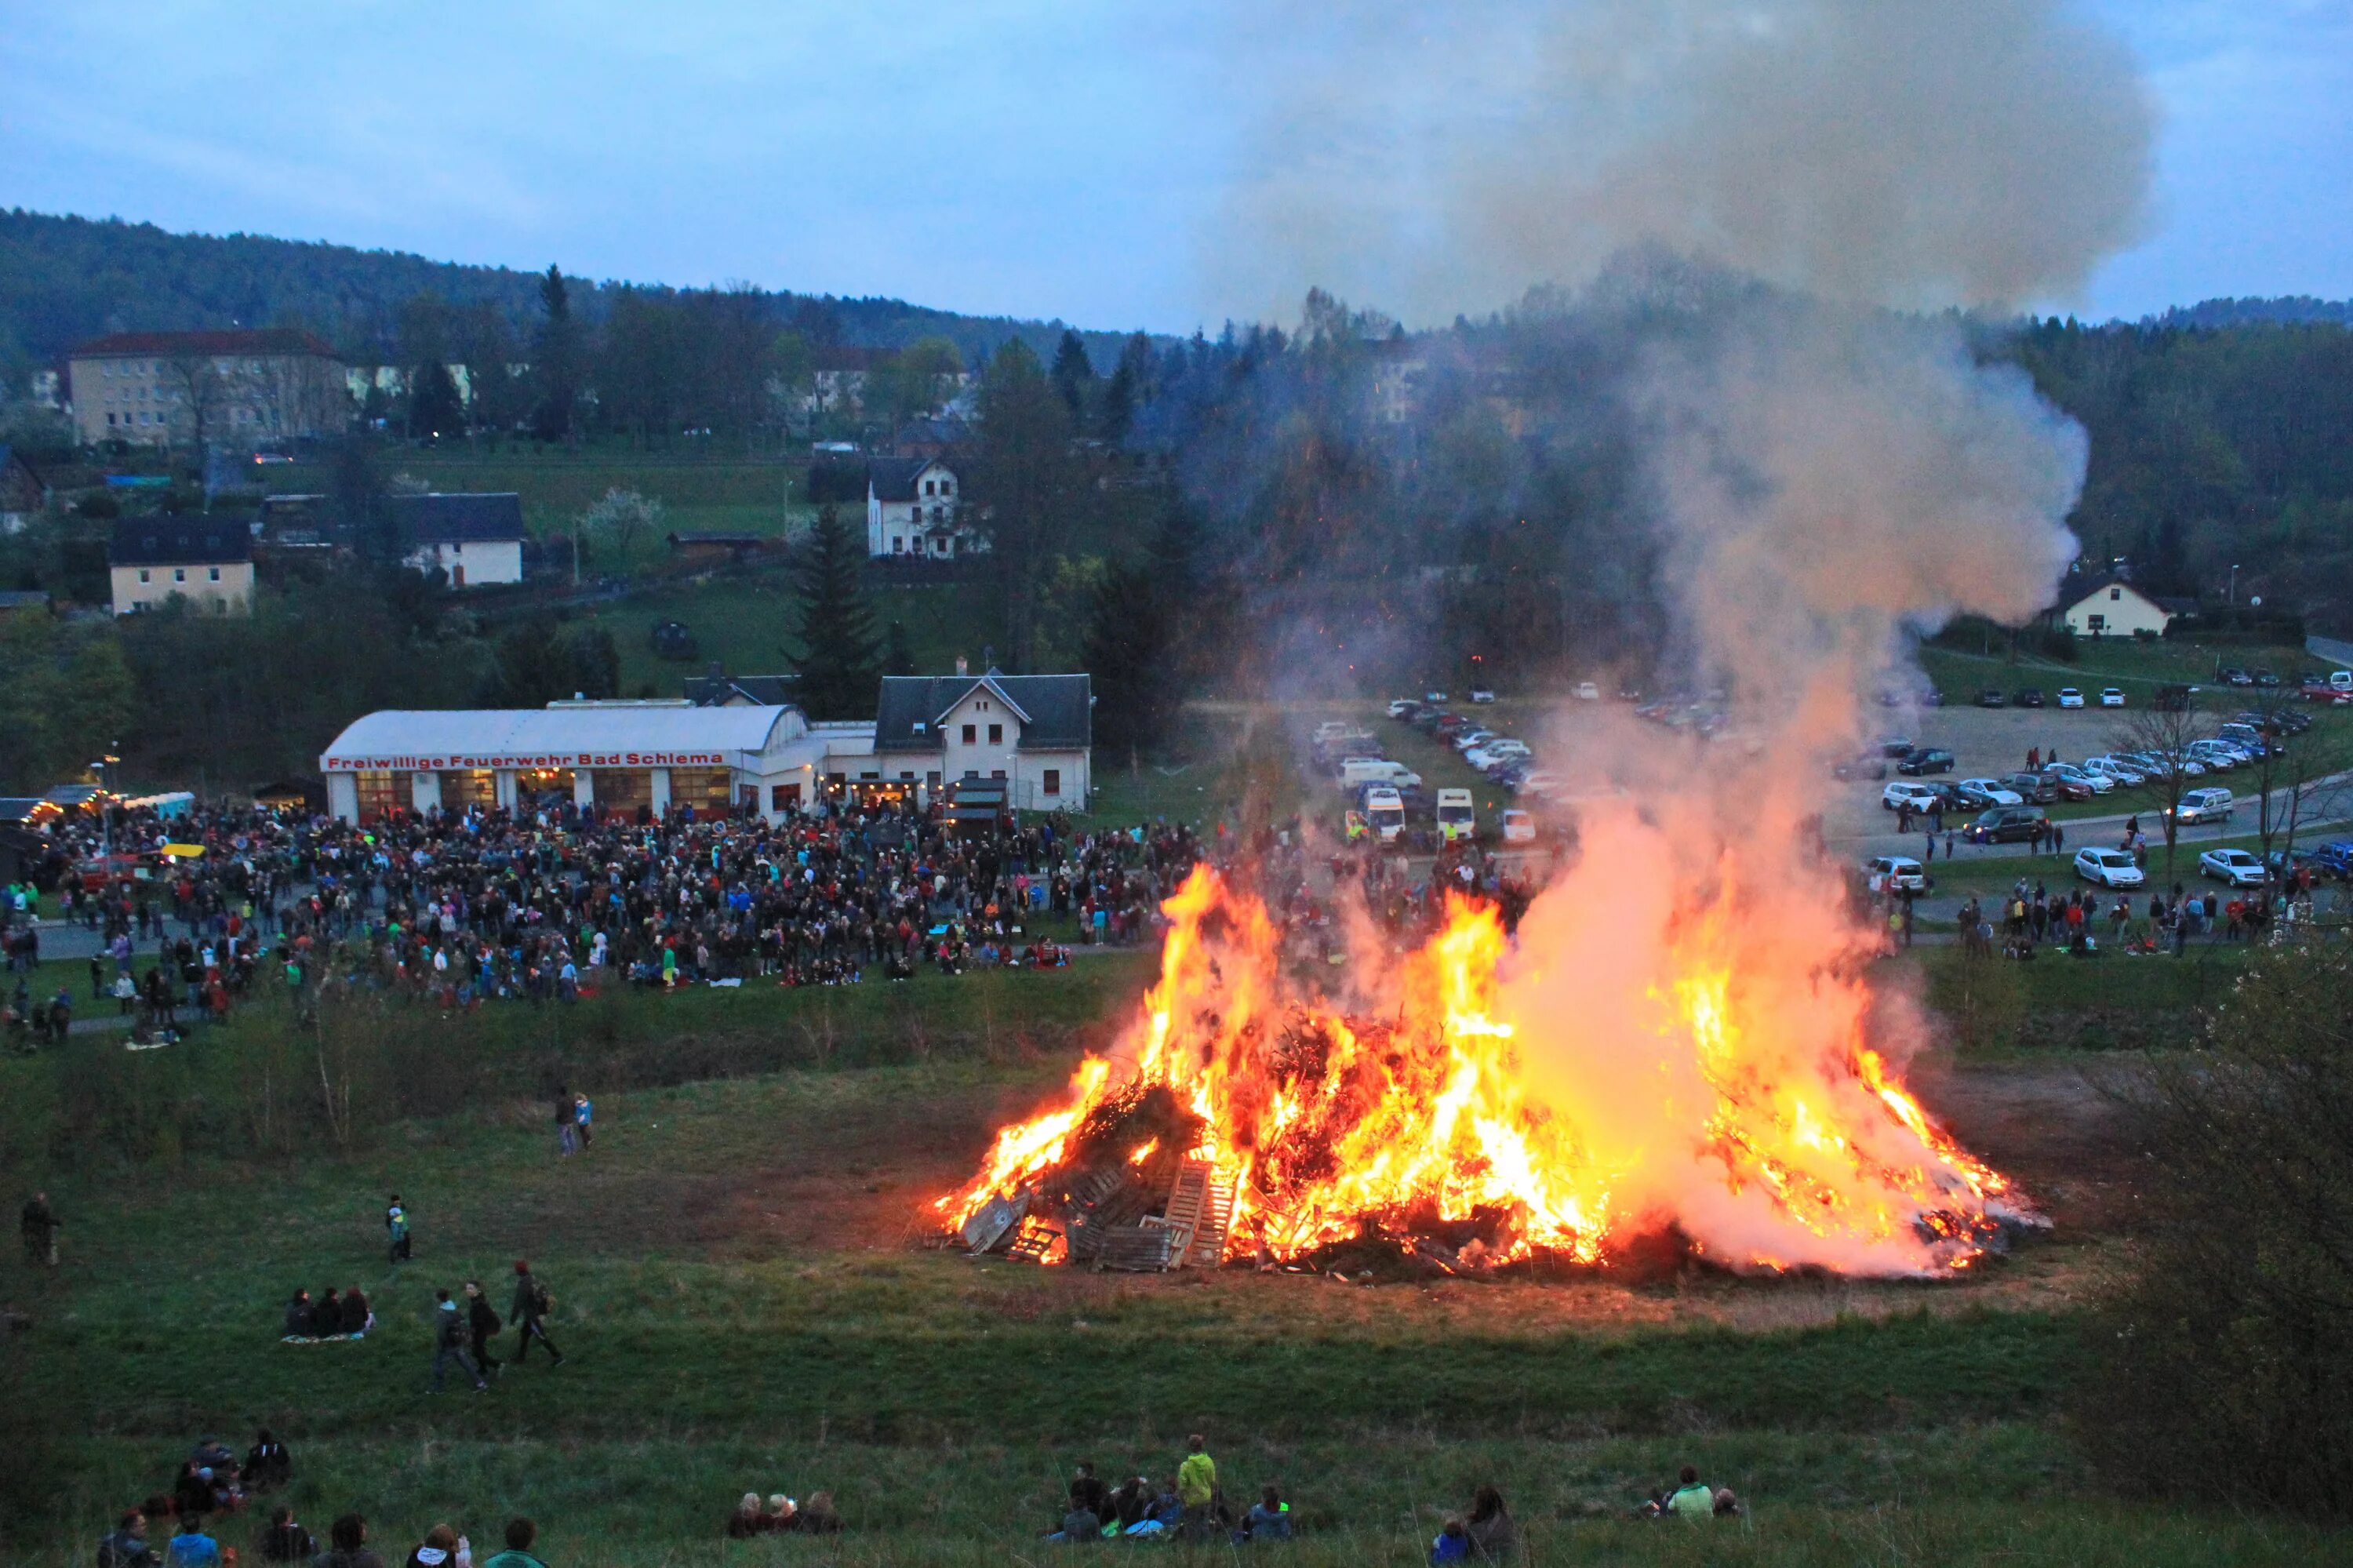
[2301, 778]
[2165, 736]
[202, 388]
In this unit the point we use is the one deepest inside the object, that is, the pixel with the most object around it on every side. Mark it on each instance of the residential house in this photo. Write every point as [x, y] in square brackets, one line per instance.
[1035, 732]
[208, 561]
[2111, 607]
[22, 493]
[475, 538]
[250, 387]
[22, 601]
[913, 508]
[720, 690]
[943, 436]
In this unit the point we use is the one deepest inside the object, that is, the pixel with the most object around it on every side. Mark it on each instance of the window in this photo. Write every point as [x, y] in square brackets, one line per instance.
[2099, 622]
[996, 773]
[179, 574]
[932, 781]
[1053, 784]
[784, 797]
[213, 573]
[898, 546]
[144, 576]
[110, 419]
[970, 734]
[927, 487]
[996, 735]
[2116, 596]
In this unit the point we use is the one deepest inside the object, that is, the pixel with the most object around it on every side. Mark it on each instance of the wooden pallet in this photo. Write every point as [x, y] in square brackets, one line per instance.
[1135, 1249]
[1200, 1209]
[1038, 1242]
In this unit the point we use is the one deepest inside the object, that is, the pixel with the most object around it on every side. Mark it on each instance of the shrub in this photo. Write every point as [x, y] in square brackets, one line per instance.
[2225, 1352]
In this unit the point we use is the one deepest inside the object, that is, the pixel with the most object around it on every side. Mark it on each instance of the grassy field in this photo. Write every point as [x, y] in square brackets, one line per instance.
[2138, 668]
[746, 1301]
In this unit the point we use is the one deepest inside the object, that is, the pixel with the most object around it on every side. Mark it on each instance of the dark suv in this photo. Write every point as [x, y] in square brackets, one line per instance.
[1991, 697]
[1923, 759]
[2005, 826]
[2028, 697]
[2034, 788]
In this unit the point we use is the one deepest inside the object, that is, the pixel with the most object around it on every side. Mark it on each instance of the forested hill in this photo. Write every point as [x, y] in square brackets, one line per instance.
[2286, 309]
[65, 279]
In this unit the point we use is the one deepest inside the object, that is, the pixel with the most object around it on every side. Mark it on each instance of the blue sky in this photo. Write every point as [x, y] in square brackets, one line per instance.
[998, 155]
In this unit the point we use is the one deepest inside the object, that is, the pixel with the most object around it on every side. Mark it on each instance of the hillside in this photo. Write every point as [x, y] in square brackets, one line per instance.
[64, 279]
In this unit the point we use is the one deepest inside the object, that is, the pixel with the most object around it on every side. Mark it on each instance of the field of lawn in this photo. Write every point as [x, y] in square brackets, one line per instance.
[746, 1300]
[2138, 668]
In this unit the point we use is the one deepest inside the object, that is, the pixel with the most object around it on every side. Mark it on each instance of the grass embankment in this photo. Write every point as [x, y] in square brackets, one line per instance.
[1995, 1009]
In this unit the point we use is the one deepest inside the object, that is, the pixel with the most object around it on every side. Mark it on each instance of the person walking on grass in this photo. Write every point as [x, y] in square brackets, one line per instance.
[481, 1324]
[450, 1343]
[531, 1305]
[395, 1230]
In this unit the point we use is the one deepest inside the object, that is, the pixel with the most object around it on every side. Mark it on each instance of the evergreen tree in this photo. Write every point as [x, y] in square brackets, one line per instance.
[898, 657]
[1027, 481]
[1074, 377]
[1134, 650]
[557, 362]
[434, 406]
[836, 662]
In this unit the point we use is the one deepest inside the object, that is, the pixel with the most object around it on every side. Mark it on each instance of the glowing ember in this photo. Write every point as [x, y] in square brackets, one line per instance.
[1724, 1098]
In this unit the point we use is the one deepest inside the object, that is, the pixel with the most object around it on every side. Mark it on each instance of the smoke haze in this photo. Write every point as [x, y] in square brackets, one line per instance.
[1902, 153]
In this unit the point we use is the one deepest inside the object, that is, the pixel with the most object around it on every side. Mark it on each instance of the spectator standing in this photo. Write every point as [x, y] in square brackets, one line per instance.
[583, 1113]
[450, 1343]
[533, 1302]
[395, 1230]
[482, 1323]
[41, 1226]
[1197, 1486]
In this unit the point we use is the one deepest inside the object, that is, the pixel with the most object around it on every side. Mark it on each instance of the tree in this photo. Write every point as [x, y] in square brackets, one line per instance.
[1027, 484]
[540, 661]
[1134, 644]
[1129, 388]
[484, 343]
[898, 657]
[1074, 377]
[792, 367]
[622, 518]
[837, 661]
[201, 388]
[2164, 736]
[2223, 1357]
[556, 362]
[435, 408]
[916, 381]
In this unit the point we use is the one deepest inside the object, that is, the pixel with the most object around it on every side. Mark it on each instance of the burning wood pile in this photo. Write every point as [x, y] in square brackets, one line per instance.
[1465, 1125]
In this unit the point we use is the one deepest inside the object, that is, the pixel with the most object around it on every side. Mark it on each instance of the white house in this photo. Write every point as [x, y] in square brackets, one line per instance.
[913, 508]
[1035, 732]
[476, 538]
[2112, 607]
[207, 561]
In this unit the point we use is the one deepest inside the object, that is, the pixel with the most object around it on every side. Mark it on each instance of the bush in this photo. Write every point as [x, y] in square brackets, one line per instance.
[2225, 1353]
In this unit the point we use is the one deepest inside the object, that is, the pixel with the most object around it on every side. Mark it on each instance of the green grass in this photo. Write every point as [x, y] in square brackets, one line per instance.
[2137, 667]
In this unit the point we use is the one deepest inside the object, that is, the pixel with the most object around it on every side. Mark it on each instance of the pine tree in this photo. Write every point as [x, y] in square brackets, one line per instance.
[898, 657]
[1074, 377]
[557, 362]
[435, 408]
[836, 662]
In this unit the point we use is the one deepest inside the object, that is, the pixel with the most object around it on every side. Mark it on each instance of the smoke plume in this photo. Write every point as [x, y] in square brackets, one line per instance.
[1915, 154]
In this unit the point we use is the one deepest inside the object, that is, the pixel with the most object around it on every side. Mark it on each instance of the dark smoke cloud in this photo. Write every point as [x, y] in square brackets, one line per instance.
[1905, 152]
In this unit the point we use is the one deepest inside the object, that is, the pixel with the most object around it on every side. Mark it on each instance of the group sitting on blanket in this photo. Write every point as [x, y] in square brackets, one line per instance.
[332, 1316]
[783, 1517]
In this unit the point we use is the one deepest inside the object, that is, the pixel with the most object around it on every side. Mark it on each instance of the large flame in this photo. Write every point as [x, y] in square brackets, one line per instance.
[1695, 1073]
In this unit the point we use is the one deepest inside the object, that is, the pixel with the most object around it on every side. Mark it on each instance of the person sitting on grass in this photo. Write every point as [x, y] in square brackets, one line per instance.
[192, 1548]
[747, 1521]
[1727, 1506]
[1691, 1499]
[520, 1535]
[125, 1546]
[1453, 1542]
[782, 1516]
[1492, 1534]
[299, 1322]
[1269, 1518]
[347, 1539]
[285, 1540]
[1129, 1501]
[818, 1515]
[267, 1462]
[1080, 1526]
[192, 1491]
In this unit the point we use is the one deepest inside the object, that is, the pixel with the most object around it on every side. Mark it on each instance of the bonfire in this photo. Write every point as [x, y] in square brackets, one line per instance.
[1451, 1116]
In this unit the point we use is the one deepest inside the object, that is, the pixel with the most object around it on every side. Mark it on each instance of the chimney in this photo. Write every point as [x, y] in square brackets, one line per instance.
[962, 669]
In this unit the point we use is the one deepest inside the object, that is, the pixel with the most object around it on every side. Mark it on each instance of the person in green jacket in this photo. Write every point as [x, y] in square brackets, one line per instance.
[521, 1533]
[1196, 1488]
[1691, 1499]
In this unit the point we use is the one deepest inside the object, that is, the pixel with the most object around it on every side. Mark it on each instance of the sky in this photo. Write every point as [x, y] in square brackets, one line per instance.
[1071, 159]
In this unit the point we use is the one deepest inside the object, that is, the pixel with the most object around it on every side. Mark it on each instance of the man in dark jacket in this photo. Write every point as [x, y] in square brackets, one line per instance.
[126, 1545]
[354, 1311]
[482, 1323]
[42, 1227]
[531, 1302]
[300, 1324]
[285, 1540]
[450, 1342]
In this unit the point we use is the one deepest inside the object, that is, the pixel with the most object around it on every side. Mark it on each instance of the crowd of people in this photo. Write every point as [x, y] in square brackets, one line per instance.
[158, 1535]
[782, 1515]
[2031, 917]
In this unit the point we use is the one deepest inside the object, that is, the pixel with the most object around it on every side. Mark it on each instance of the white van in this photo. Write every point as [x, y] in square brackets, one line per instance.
[1357, 771]
[2342, 680]
[2204, 806]
[1385, 814]
[1456, 819]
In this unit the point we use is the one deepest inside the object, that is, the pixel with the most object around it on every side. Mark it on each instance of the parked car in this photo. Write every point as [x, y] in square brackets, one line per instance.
[2218, 756]
[2206, 805]
[2234, 676]
[2335, 857]
[1923, 759]
[2108, 868]
[2032, 789]
[2111, 697]
[1482, 695]
[1403, 707]
[2028, 697]
[2069, 697]
[1992, 699]
[2068, 774]
[1919, 797]
[2266, 678]
[2005, 826]
[1519, 827]
[2117, 769]
[1895, 745]
[1870, 765]
[1979, 793]
[1536, 785]
[1435, 699]
[1586, 691]
[2234, 866]
[672, 640]
[1903, 874]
